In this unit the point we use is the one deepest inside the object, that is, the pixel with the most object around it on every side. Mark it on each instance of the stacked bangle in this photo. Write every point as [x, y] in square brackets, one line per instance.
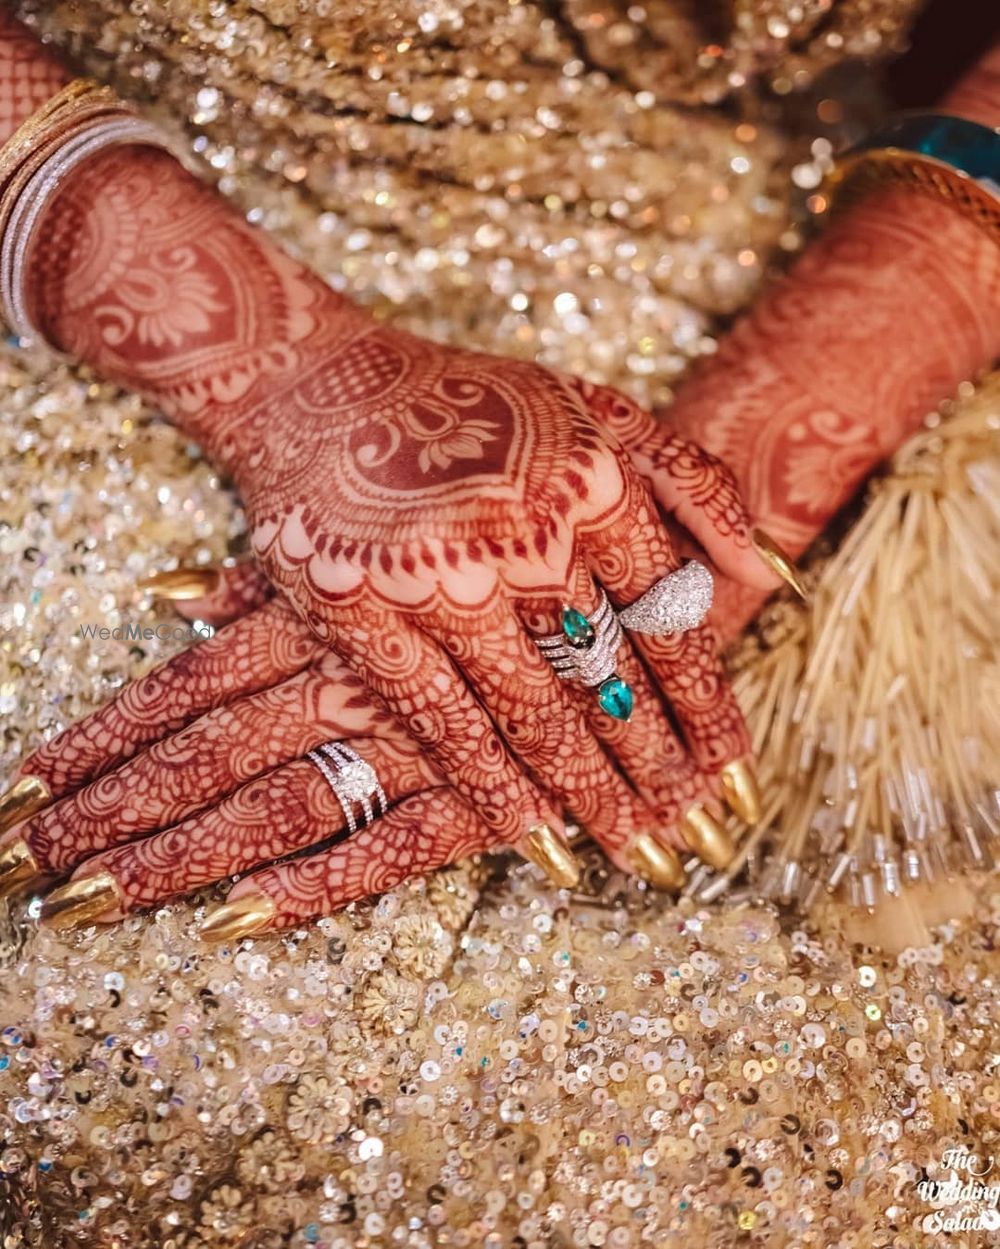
[948, 158]
[81, 120]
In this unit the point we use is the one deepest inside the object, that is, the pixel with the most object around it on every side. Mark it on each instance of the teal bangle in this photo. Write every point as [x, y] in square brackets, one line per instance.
[948, 158]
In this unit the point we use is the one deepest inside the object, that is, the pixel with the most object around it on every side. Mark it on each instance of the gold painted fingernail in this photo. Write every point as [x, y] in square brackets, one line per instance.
[707, 838]
[778, 561]
[181, 584]
[82, 901]
[17, 866]
[655, 863]
[739, 784]
[24, 798]
[241, 917]
[543, 846]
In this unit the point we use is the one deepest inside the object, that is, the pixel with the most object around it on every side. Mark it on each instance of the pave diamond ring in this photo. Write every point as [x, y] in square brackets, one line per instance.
[354, 782]
[677, 602]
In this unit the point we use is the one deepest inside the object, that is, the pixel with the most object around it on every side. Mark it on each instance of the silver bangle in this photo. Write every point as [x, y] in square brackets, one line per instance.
[25, 216]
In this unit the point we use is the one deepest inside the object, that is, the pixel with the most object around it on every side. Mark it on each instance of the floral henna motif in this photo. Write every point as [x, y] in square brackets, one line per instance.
[375, 448]
[506, 503]
[393, 485]
[252, 654]
[157, 306]
[426, 831]
[880, 320]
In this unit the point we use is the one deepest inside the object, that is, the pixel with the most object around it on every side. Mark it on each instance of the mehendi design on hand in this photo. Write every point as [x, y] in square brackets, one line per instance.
[881, 318]
[272, 816]
[231, 790]
[191, 770]
[396, 488]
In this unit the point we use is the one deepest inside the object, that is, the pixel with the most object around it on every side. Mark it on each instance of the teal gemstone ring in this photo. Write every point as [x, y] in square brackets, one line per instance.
[586, 651]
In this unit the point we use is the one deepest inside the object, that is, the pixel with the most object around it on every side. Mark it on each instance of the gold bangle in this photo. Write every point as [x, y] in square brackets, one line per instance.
[66, 99]
[946, 158]
[58, 127]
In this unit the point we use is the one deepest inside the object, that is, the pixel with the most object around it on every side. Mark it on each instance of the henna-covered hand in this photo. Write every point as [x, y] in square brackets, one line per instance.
[883, 316]
[196, 772]
[426, 510]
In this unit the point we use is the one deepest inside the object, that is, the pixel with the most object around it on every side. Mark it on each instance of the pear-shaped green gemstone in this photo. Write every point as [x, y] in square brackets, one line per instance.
[577, 628]
[616, 698]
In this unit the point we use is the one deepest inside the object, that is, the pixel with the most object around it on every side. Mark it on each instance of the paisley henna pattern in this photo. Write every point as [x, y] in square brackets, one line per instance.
[274, 815]
[158, 296]
[445, 579]
[192, 770]
[424, 832]
[251, 654]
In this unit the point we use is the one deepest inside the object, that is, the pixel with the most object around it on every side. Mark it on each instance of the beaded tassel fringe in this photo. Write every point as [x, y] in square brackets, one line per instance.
[876, 713]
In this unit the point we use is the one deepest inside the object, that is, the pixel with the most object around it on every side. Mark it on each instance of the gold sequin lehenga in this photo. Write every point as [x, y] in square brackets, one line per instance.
[463, 1061]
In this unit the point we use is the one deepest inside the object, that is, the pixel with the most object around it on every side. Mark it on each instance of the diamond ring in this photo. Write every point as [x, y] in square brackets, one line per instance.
[354, 782]
[677, 602]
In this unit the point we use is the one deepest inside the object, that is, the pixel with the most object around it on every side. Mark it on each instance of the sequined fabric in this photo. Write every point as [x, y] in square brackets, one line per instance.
[473, 1059]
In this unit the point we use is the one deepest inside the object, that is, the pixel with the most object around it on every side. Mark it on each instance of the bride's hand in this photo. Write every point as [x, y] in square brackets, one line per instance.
[197, 772]
[428, 511]
[885, 314]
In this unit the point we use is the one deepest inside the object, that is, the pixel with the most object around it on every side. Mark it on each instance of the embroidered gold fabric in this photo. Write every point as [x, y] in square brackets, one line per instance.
[466, 1061]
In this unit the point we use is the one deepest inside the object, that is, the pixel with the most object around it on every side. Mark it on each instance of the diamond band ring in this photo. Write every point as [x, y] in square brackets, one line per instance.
[354, 782]
[676, 603]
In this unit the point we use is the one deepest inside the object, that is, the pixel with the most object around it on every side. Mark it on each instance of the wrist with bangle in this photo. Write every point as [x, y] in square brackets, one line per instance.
[78, 122]
[948, 158]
